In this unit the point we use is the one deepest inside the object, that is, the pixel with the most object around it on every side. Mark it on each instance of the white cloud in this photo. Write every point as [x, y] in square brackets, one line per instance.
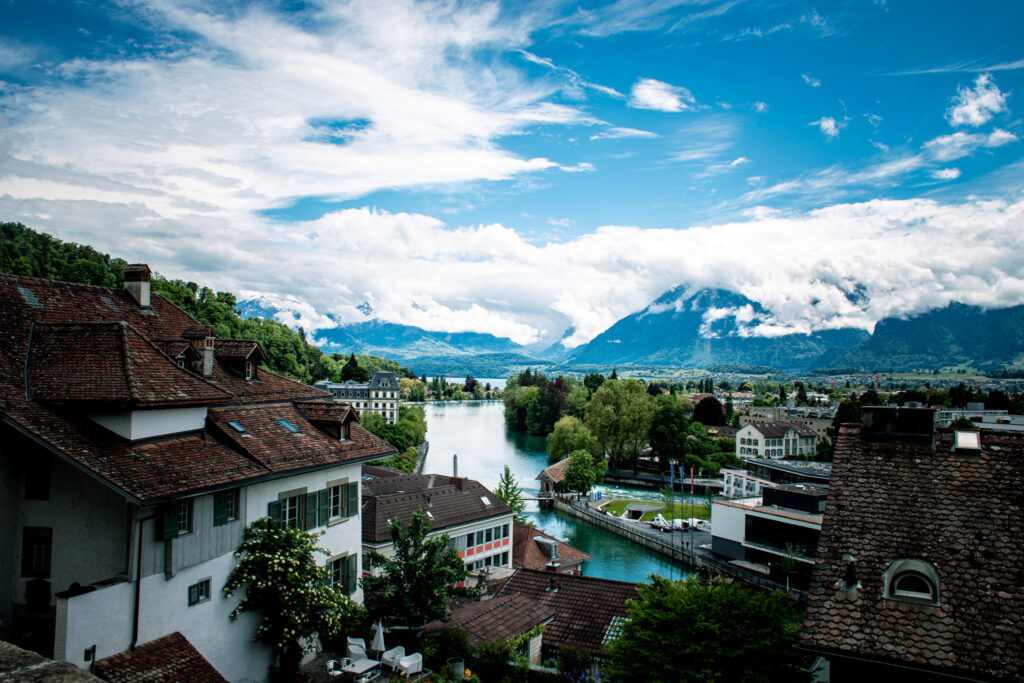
[829, 126]
[648, 93]
[739, 161]
[946, 173]
[560, 222]
[581, 167]
[810, 80]
[616, 133]
[958, 145]
[976, 106]
[760, 107]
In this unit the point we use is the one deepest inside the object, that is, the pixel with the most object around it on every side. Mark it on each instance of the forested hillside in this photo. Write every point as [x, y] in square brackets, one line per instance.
[24, 251]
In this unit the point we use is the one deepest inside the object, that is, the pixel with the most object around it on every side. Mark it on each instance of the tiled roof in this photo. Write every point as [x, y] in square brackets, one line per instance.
[556, 472]
[176, 347]
[777, 430]
[961, 513]
[109, 362]
[171, 659]
[450, 500]
[238, 349]
[585, 606]
[526, 552]
[495, 620]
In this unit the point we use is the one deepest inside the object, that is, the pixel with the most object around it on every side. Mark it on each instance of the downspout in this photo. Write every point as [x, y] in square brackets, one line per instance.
[138, 590]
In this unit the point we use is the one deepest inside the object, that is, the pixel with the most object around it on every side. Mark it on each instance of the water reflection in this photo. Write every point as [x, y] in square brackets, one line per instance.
[476, 432]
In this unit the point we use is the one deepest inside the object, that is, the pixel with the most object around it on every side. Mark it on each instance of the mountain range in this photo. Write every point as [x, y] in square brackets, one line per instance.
[699, 329]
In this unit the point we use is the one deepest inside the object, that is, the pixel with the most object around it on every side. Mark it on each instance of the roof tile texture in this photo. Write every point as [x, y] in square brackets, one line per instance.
[171, 659]
[961, 513]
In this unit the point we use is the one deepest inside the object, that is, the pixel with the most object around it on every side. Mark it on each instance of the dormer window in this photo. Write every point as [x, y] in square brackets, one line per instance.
[249, 369]
[910, 580]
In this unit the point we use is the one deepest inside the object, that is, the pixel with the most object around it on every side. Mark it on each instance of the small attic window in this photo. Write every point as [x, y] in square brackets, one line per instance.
[911, 580]
[430, 515]
[486, 500]
[288, 425]
[237, 427]
[967, 441]
[249, 369]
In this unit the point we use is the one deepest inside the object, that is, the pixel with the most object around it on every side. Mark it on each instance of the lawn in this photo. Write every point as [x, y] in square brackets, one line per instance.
[682, 511]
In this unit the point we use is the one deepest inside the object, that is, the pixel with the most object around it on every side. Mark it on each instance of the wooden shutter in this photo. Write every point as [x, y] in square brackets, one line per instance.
[193, 594]
[167, 524]
[323, 500]
[307, 521]
[274, 511]
[220, 508]
[352, 508]
[350, 573]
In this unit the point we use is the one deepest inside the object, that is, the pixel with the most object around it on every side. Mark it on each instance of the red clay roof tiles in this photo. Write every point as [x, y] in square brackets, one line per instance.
[171, 659]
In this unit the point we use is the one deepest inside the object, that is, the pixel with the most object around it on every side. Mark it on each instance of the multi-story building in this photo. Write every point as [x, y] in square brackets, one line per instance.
[774, 440]
[918, 574]
[380, 395]
[478, 523]
[135, 447]
[760, 473]
[816, 418]
[762, 532]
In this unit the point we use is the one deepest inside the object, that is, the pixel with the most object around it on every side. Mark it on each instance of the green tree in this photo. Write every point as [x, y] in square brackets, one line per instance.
[582, 472]
[709, 412]
[619, 416]
[718, 631]
[568, 435]
[278, 570]
[668, 430]
[509, 492]
[730, 410]
[592, 381]
[352, 371]
[416, 584]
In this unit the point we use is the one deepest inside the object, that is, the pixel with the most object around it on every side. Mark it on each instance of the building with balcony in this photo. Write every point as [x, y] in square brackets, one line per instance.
[767, 532]
[760, 473]
[135, 447]
[380, 395]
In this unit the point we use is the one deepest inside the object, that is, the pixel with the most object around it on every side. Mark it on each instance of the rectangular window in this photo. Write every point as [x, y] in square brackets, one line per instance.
[199, 592]
[36, 546]
[337, 508]
[291, 511]
[184, 513]
[248, 369]
[225, 507]
[488, 536]
[343, 574]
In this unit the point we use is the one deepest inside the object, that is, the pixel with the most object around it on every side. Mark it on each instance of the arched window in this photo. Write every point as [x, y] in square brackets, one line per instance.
[912, 581]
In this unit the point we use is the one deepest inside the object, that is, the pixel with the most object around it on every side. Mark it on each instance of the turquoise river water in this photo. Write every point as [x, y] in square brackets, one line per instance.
[476, 432]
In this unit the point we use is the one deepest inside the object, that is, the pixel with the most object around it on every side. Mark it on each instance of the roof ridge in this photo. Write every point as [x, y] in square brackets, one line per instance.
[126, 357]
[190, 375]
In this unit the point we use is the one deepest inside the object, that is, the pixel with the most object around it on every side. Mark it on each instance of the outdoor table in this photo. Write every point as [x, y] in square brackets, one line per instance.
[361, 666]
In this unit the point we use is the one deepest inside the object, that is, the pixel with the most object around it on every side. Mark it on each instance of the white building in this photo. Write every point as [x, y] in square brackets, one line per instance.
[380, 395]
[476, 521]
[774, 440]
[132, 456]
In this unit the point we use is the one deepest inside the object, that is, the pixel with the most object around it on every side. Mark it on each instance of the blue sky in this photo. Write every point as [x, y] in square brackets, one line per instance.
[526, 167]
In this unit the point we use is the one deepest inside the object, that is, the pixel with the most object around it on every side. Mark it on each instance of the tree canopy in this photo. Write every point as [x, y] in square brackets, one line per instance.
[510, 493]
[717, 631]
[583, 472]
[416, 584]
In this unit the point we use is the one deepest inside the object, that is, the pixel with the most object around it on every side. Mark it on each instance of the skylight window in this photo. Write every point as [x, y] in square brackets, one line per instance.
[486, 500]
[237, 427]
[968, 441]
[288, 425]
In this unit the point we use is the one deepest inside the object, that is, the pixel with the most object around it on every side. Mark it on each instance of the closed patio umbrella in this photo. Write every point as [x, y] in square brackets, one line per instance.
[378, 637]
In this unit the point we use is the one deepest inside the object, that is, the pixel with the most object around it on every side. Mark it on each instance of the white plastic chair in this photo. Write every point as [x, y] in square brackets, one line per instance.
[335, 666]
[413, 664]
[390, 657]
[356, 648]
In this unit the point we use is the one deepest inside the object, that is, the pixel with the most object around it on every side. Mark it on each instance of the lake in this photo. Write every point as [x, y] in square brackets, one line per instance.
[476, 432]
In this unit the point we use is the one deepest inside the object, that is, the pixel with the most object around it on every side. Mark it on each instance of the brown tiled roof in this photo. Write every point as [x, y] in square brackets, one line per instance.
[450, 500]
[526, 552]
[269, 386]
[495, 620]
[377, 472]
[197, 332]
[556, 472]
[584, 606]
[176, 347]
[279, 449]
[109, 362]
[238, 349]
[961, 513]
[171, 659]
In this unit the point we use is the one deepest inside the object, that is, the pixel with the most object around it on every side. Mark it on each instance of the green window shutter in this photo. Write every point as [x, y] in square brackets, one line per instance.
[350, 573]
[193, 594]
[308, 521]
[353, 499]
[274, 511]
[220, 508]
[167, 525]
[323, 503]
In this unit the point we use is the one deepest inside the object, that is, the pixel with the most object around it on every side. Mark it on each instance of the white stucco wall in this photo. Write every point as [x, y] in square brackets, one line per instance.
[145, 424]
[727, 521]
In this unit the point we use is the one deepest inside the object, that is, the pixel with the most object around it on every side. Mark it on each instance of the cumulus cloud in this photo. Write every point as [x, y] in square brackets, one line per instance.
[976, 106]
[958, 145]
[810, 80]
[829, 126]
[946, 173]
[760, 107]
[648, 93]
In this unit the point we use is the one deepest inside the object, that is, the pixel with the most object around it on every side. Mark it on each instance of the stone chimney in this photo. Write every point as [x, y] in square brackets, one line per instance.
[136, 281]
[455, 465]
[207, 347]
